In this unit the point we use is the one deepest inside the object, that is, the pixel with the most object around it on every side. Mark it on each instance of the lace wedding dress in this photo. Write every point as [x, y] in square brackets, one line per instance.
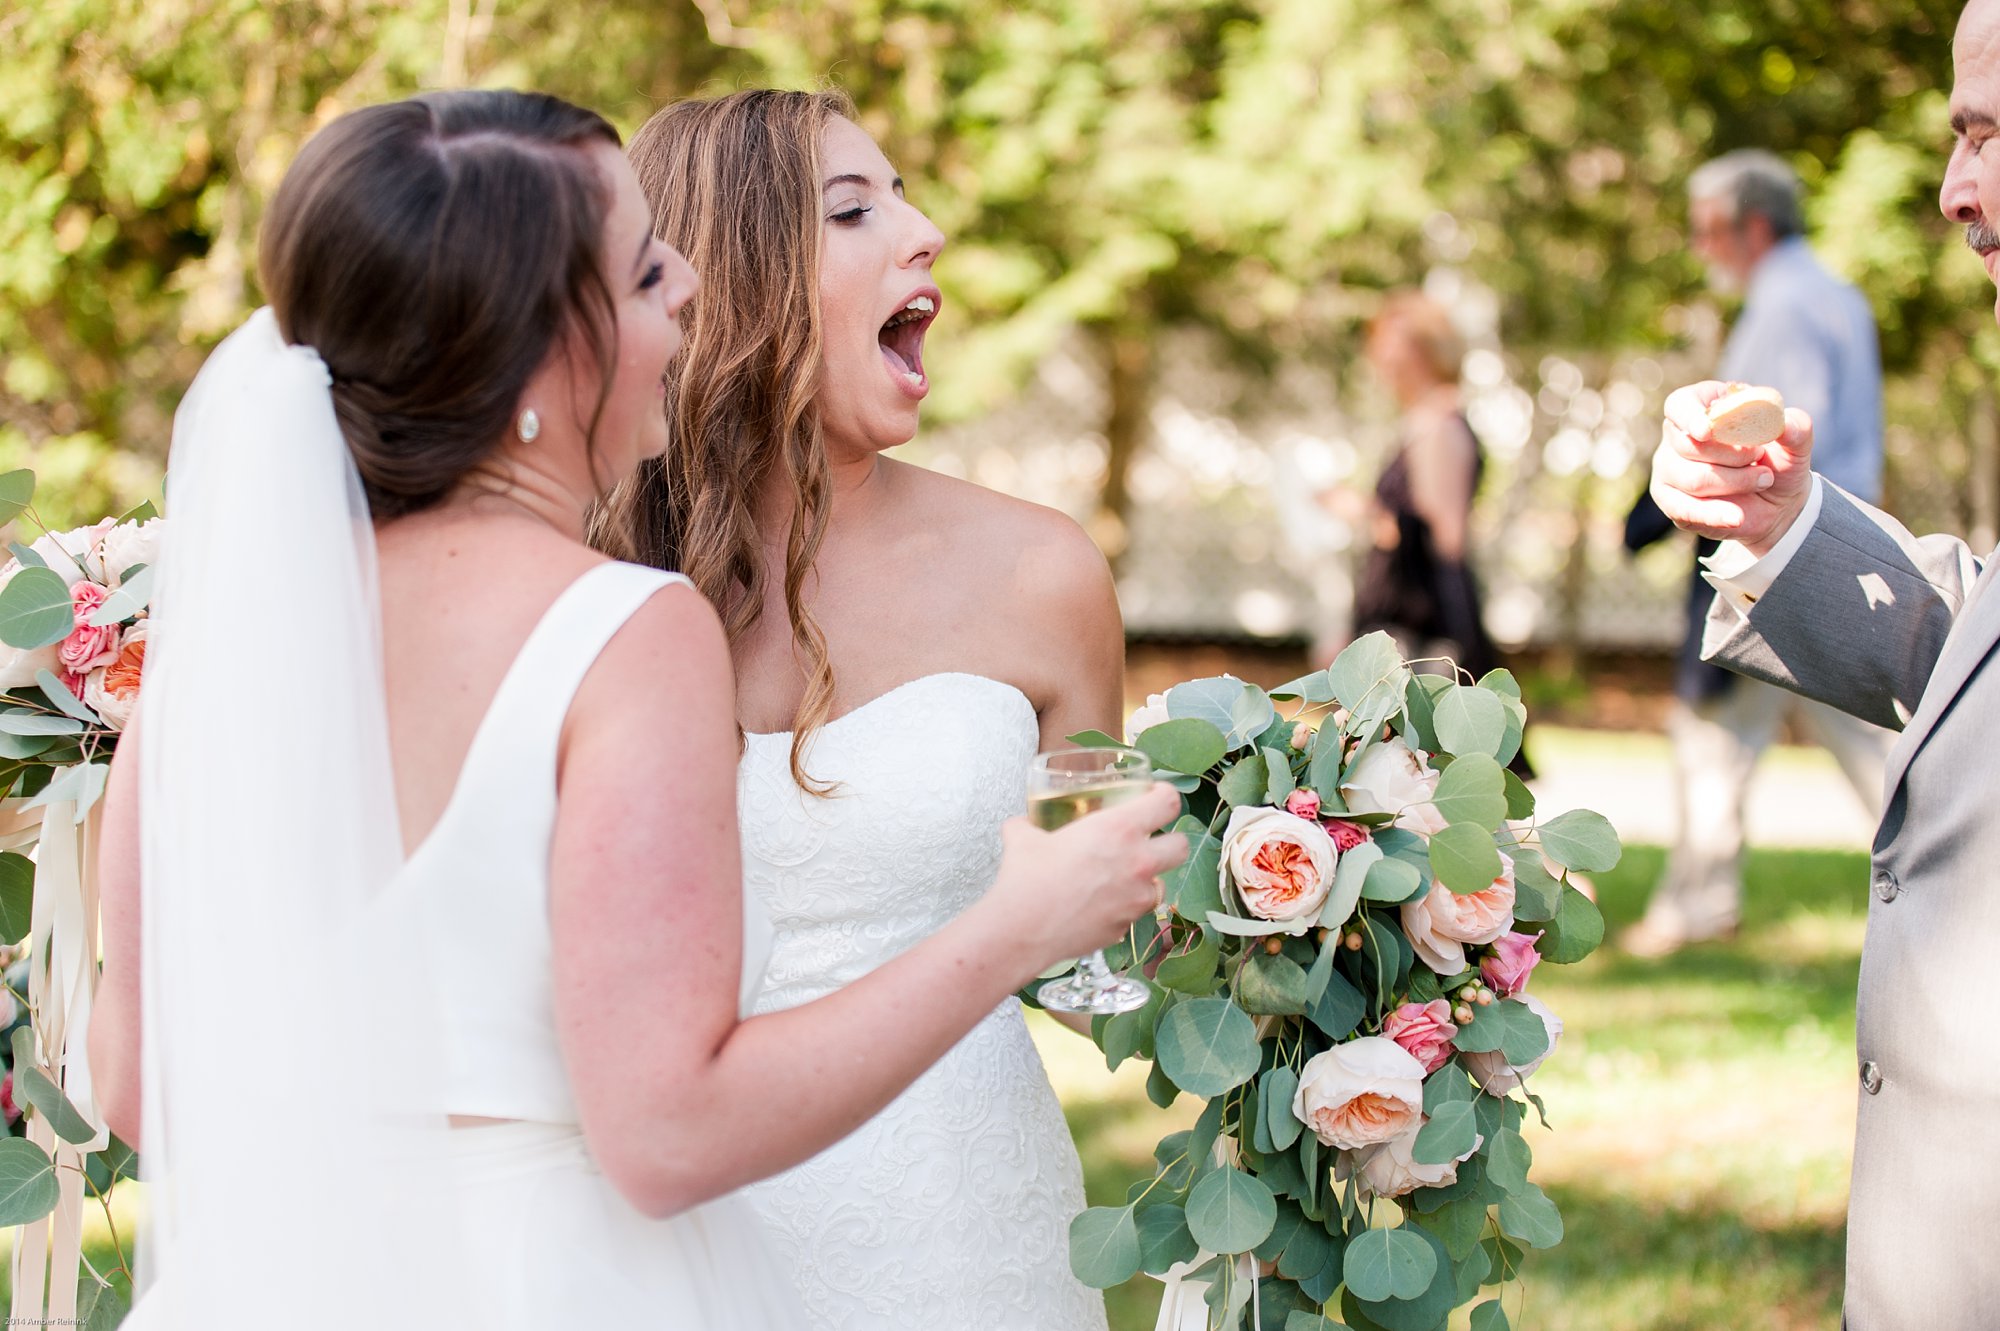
[950, 1209]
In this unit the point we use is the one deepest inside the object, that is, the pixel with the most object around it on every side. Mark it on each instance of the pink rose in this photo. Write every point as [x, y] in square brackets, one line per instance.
[1424, 1030]
[1440, 922]
[7, 1105]
[1361, 1093]
[1281, 865]
[1514, 959]
[1304, 804]
[1346, 836]
[87, 648]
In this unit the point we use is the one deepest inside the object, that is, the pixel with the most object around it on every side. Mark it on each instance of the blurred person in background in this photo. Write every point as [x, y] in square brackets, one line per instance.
[1416, 582]
[1811, 336]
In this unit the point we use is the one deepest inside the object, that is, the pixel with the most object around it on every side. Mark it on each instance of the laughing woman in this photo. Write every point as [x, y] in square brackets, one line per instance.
[904, 643]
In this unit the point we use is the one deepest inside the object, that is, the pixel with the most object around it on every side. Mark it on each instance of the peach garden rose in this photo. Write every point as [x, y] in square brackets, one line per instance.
[1441, 922]
[1360, 1094]
[1281, 865]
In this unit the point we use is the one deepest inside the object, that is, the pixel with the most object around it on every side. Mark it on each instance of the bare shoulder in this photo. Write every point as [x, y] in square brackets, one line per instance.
[1042, 554]
[668, 663]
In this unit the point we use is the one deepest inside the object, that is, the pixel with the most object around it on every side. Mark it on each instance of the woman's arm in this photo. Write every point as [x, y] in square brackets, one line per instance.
[682, 1100]
[1444, 459]
[114, 1014]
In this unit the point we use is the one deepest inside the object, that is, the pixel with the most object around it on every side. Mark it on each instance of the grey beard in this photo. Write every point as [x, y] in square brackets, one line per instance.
[1981, 237]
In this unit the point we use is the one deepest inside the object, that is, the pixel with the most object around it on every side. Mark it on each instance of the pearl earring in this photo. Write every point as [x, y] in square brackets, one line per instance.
[529, 427]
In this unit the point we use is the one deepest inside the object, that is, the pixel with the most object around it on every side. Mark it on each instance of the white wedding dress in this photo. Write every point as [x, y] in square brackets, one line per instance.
[549, 1241]
[950, 1209]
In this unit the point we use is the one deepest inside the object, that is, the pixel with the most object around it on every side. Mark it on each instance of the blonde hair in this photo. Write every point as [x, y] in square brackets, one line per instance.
[1428, 326]
[734, 183]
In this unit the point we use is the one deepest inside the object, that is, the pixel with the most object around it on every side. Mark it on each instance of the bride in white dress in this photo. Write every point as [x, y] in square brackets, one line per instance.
[445, 973]
[904, 644]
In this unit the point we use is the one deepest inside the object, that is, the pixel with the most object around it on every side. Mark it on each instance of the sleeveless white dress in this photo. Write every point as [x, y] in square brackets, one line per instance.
[950, 1209]
[551, 1243]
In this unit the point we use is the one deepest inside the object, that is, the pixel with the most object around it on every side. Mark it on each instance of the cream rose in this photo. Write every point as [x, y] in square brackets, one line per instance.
[61, 550]
[1440, 922]
[1495, 1075]
[130, 544]
[1392, 778]
[1145, 718]
[1280, 864]
[1391, 1169]
[1361, 1093]
[113, 690]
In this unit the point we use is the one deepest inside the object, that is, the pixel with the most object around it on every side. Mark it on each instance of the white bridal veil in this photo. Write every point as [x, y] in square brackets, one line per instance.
[295, 1155]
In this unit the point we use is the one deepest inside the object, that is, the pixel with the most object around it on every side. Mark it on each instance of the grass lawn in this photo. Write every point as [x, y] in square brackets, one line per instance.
[1703, 1111]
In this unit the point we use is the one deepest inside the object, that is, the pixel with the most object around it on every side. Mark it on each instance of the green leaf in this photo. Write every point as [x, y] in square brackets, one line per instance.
[1276, 1093]
[1449, 1134]
[1244, 781]
[1194, 887]
[1323, 773]
[1489, 1316]
[1321, 973]
[47, 1099]
[1389, 1264]
[1188, 745]
[145, 512]
[1160, 1088]
[1097, 739]
[1314, 689]
[1298, 1321]
[14, 747]
[103, 1307]
[1458, 1225]
[26, 555]
[1195, 971]
[1464, 857]
[58, 693]
[1128, 1034]
[1422, 712]
[27, 1181]
[1508, 1027]
[1280, 782]
[1517, 729]
[1520, 800]
[1391, 881]
[1504, 1257]
[1208, 1046]
[1230, 1211]
[25, 722]
[1338, 1009]
[1240, 711]
[1448, 1085]
[1269, 986]
[1104, 1246]
[1470, 720]
[1473, 790]
[1164, 1238]
[1537, 896]
[1507, 1160]
[132, 596]
[1575, 932]
[35, 609]
[1501, 682]
[17, 896]
[1528, 1215]
[1368, 678]
[1578, 839]
[17, 491]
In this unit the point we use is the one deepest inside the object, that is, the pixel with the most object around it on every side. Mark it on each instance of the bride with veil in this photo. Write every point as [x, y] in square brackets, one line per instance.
[426, 951]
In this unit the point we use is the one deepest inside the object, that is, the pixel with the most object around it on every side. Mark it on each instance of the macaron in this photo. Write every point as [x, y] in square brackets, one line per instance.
[1747, 416]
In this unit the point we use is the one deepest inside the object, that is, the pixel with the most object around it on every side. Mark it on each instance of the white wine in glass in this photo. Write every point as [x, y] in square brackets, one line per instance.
[1062, 787]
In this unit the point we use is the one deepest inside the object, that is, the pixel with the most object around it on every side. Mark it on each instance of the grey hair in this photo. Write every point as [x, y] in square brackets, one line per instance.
[1752, 181]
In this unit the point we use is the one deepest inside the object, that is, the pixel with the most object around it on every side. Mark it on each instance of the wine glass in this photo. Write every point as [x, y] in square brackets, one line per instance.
[1064, 786]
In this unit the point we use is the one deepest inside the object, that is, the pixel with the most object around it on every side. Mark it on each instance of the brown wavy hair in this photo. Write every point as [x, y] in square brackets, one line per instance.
[735, 183]
[434, 251]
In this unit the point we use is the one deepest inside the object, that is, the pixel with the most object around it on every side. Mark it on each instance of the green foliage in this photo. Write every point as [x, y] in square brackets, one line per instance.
[1104, 1246]
[1230, 1211]
[27, 1181]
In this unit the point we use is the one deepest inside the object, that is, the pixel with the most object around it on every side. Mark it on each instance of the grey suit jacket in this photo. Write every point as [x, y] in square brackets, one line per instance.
[1901, 631]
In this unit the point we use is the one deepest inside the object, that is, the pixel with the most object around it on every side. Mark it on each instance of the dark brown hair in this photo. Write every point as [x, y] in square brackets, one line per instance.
[734, 184]
[433, 251]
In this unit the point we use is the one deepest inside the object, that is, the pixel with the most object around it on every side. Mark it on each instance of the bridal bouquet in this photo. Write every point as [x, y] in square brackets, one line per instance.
[1343, 972]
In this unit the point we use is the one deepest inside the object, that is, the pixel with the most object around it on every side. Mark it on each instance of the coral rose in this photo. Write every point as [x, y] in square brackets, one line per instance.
[1425, 1030]
[1280, 864]
[1440, 922]
[1361, 1093]
[112, 691]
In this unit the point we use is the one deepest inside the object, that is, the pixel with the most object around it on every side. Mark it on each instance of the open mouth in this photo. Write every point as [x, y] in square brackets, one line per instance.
[902, 338]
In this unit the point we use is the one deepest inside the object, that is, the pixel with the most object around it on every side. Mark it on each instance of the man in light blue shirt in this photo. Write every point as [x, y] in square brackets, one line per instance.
[1812, 337]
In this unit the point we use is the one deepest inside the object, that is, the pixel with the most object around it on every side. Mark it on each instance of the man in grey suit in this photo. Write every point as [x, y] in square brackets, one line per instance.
[1822, 594]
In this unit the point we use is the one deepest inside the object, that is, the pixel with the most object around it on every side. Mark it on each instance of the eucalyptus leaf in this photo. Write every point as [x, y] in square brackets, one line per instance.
[1464, 858]
[1489, 1316]
[1527, 1214]
[1507, 1160]
[1164, 1237]
[1269, 986]
[1520, 800]
[1104, 1246]
[1208, 1046]
[15, 747]
[1280, 1087]
[1350, 876]
[132, 596]
[1457, 1225]
[1422, 713]
[1392, 882]
[1194, 887]
[1194, 971]
[1470, 720]
[1447, 1085]
[27, 1182]
[17, 491]
[1328, 761]
[1190, 745]
[103, 1307]
[47, 1099]
[1368, 670]
[1314, 690]
[1160, 1088]
[1231, 1211]
[1502, 682]
[1448, 1135]
[1537, 896]
[1575, 932]
[1517, 728]
[27, 555]
[1472, 790]
[1096, 739]
[1581, 839]
[1244, 781]
[25, 722]
[1388, 1264]
[1278, 782]
[35, 609]
[1228, 704]
[59, 695]
[1320, 973]
[1338, 1009]
[17, 897]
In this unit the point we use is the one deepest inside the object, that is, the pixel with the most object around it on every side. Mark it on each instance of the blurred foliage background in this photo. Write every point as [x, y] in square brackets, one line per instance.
[1118, 176]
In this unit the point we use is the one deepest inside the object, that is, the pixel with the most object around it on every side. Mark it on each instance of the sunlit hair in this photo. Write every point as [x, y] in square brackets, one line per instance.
[434, 251]
[1429, 329]
[734, 184]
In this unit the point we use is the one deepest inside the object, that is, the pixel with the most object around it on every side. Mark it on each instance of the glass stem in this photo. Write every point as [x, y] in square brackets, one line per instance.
[1093, 973]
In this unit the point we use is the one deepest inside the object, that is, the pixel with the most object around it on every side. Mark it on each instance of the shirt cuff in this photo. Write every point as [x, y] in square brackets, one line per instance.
[1735, 573]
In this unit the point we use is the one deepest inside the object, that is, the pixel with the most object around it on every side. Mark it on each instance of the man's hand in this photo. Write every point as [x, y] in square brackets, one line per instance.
[1750, 495]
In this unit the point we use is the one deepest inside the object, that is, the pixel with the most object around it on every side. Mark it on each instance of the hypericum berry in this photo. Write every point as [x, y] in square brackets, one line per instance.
[1354, 942]
[1274, 945]
[1484, 997]
[1470, 993]
[1462, 1014]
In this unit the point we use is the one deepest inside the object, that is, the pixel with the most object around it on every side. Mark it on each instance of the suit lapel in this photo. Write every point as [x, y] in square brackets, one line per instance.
[1971, 641]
